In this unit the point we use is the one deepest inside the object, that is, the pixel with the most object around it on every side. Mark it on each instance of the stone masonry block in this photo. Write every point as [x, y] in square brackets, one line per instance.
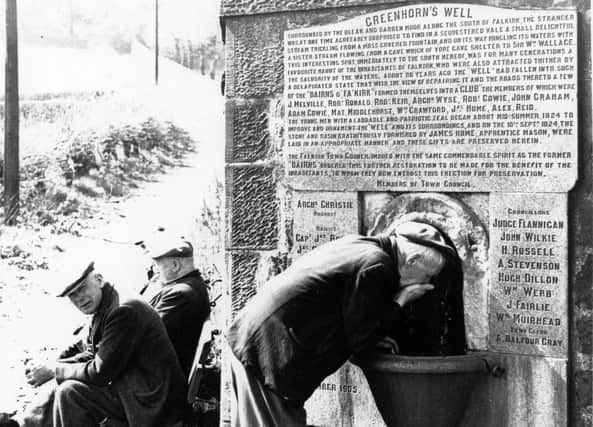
[581, 230]
[251, 7]
[243, 271]
[248, 137]
[254, 59]
[516, 399]
[252, 208]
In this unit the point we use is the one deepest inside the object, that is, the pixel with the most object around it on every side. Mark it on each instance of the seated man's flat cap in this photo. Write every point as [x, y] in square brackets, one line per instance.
[74, 277]
[426, 235]
[170, 248]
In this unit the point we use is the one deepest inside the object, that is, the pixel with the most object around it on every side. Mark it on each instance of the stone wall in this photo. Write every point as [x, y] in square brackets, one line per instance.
[260, 214]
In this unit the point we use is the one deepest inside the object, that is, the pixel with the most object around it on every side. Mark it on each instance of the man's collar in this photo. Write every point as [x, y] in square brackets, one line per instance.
[108, 294]
[388, 245]
[194, 272]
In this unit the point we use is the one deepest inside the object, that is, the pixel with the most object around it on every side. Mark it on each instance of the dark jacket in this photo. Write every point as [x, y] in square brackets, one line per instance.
[184, 306]
[129, 351]
[328, 305]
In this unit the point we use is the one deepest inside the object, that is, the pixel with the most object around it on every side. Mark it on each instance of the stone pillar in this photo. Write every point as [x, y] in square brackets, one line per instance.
[274, 196]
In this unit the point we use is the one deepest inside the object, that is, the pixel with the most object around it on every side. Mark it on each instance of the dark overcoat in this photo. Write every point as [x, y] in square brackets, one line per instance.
[129, 351]
[184, 306]
[328, 305]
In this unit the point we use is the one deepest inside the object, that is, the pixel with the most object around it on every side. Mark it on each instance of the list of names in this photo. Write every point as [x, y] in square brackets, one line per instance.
[529, 278]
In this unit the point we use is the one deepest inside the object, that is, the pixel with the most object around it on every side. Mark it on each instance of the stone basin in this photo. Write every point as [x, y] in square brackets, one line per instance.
[413, 391]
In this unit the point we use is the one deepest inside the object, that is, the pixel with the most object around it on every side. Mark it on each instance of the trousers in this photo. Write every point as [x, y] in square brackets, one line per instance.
[254, 405]
[78, 404]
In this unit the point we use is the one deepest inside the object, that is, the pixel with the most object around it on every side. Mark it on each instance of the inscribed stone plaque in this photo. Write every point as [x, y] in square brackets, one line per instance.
[321, 217]
[529, 276]
[442, 97]
[345, 399]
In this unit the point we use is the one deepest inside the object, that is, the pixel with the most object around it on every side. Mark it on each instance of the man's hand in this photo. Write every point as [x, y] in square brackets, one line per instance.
[388, 345]
[378, 225]
[39, 373]
[411, 293]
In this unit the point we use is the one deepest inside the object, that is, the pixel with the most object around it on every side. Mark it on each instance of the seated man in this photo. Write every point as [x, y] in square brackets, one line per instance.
[128, 373]
[182, 300]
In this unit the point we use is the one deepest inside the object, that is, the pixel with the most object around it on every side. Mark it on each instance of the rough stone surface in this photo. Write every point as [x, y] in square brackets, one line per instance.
[243, 272]
[254, 57]
[252, 208]
[345, 395]
[276, 125]
[465, 229]
[479, 203]
[581, 257]
[532, 392]
[248, 139]
[250, 270]
[250, 7]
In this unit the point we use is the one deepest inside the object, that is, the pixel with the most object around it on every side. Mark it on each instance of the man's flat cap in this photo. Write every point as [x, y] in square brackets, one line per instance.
[426, 235]
[170, 248]
[76, 274]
